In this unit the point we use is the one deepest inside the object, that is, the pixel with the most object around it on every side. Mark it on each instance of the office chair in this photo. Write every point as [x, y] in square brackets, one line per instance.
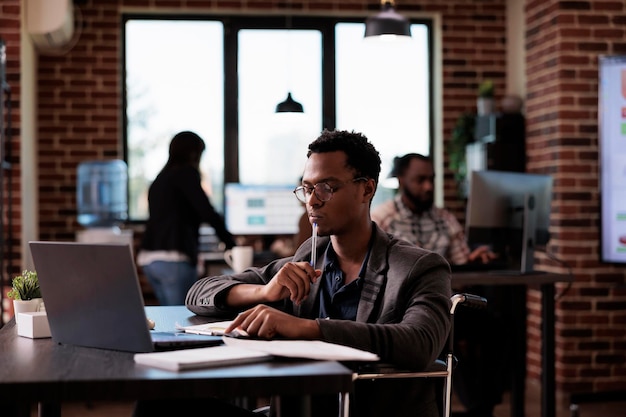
[442, 368]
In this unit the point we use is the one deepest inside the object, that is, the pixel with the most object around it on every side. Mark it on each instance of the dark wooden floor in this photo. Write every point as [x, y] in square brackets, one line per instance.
[533, 401]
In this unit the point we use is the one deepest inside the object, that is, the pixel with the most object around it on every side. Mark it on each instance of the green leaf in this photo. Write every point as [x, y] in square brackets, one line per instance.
[486, 89]
[25, 286]
[462, 135]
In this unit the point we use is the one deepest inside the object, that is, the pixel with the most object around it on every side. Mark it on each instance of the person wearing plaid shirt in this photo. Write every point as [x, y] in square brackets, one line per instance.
[480, 376]
[412, 215]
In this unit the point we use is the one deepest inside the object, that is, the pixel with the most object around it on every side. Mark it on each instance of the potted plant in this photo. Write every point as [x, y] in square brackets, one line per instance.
[485, 102]
[25, 293]
[462, 135]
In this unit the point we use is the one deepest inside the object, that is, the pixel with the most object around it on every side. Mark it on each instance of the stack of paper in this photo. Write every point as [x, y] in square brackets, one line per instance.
[180, 360]
[237, 351]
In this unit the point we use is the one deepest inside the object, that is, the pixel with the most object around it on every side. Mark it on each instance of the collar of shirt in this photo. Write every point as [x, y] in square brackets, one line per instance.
[339, 301]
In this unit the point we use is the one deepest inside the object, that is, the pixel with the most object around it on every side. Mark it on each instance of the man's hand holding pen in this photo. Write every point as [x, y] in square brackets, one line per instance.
[293, 280]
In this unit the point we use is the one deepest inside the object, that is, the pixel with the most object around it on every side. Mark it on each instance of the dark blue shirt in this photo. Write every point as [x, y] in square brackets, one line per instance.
[339, 301]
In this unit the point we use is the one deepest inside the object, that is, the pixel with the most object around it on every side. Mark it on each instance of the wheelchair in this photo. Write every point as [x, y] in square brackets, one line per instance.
[442, 368]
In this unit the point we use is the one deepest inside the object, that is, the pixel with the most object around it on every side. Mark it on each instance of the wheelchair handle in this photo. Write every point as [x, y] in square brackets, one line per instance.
[468, 300]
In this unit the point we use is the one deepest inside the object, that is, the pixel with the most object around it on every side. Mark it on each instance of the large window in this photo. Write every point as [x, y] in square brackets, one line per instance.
[383, 91]
[272, 63]
[169, 90]
[223, 78]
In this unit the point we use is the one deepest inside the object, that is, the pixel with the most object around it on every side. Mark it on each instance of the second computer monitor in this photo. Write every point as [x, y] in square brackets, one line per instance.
[252, 209]
[511, 212]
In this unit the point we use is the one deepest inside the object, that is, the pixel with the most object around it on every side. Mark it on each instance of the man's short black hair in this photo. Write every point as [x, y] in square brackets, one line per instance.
[401, 163]
[362, 155]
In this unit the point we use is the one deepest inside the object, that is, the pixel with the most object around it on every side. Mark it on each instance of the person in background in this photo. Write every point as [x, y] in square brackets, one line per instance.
[412, 215]
[366, 289]
[177, 206]
[481, 336]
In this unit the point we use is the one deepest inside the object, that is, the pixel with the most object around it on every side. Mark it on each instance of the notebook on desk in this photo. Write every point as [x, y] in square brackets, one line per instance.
[92, 298]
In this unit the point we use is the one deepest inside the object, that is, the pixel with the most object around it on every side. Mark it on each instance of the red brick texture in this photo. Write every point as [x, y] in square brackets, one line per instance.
[10, 215]
[563, 42]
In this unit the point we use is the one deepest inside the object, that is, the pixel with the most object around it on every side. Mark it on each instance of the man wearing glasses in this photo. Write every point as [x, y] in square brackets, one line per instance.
[363, 289]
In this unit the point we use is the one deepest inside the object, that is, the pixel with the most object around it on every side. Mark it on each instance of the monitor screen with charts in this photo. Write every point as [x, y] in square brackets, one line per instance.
[261, 209]
[612, 157]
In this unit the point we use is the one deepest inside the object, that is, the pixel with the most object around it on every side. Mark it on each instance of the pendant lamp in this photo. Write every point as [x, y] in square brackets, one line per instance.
[387, 22]
[289, 106]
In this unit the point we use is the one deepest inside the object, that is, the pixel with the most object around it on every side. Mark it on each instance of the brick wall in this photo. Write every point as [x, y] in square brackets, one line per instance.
[564, 40]
[10, 214]
[80, 118]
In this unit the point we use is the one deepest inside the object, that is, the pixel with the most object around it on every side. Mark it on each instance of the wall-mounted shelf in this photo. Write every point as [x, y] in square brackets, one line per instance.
[500, 143]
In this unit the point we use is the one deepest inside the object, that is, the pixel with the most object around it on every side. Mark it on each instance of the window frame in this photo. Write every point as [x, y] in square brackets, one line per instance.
[234, 23]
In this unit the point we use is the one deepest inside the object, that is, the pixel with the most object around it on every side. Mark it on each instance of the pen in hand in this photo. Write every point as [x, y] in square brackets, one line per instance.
[314, 245]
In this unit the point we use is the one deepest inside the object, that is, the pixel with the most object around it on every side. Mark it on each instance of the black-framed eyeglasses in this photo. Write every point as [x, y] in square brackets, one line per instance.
[323, 191]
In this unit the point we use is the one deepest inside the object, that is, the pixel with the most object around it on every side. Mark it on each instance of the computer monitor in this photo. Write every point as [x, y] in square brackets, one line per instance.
[261, 209]
[612, 161]
[511, 212]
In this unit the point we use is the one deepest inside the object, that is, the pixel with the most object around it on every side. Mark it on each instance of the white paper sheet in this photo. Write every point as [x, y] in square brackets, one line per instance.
[217, 356]
[212, 329]
[308, 349]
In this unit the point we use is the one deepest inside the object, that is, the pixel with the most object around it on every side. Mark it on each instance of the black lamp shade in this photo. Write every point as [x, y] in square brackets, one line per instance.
[289, 106]
[387, 22]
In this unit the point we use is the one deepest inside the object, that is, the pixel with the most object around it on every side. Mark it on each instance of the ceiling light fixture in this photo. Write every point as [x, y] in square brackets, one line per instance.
[289, 105]
[387, 22]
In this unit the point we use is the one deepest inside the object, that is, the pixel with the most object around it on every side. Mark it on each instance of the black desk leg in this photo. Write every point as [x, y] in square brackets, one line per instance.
[518, 351]
[50, 409]
[548, 385]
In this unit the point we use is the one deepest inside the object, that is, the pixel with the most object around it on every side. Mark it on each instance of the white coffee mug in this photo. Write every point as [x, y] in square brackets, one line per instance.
[239, 257]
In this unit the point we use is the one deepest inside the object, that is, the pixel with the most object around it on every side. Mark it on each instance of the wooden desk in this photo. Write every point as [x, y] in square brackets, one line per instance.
[545, 281]
[40, 370]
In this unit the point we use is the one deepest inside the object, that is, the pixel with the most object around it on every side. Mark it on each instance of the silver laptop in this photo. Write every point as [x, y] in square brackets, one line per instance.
[92, 298]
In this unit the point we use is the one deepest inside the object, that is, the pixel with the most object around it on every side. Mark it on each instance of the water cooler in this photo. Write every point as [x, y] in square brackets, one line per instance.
[102, 200]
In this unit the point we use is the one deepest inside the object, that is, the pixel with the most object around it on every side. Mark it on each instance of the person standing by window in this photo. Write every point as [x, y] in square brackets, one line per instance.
[177, 206]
